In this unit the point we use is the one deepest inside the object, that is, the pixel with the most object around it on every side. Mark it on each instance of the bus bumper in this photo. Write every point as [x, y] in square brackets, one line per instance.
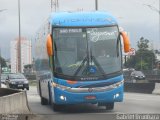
[65, 97]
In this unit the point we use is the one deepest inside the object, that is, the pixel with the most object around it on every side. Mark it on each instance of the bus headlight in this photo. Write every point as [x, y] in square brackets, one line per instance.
[116, 95]
[62, 97]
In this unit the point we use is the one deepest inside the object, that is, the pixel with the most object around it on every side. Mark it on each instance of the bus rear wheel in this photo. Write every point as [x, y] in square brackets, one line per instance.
[44, 101]
[109, 106]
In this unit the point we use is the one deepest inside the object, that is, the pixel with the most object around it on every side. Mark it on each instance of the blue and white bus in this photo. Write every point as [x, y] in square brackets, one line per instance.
[81, 60]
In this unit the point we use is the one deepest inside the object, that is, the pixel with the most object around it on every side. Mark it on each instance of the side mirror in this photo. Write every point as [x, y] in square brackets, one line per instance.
[126, 42]
[49, 45]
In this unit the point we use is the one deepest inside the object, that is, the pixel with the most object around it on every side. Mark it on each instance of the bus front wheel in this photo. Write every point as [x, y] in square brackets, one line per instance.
[57, 107]
[54, 106]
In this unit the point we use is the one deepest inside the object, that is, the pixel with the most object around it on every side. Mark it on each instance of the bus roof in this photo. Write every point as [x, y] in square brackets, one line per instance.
[78, 19]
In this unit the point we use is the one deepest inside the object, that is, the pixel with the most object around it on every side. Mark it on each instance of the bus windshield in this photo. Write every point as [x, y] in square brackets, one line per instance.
[85, 52]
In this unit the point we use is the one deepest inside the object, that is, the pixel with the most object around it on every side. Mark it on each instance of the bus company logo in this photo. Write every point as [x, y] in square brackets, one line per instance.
[90, 89]
[89, 78]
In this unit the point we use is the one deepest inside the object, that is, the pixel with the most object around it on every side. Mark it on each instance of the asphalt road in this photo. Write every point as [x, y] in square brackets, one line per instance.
[133, 103]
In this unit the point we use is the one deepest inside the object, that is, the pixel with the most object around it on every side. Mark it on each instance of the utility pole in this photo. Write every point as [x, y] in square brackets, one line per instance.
[55, 5]
[19, 39]
[96, 4]
[0, 67]
[141, 61]
[159, 20]
[0, 55]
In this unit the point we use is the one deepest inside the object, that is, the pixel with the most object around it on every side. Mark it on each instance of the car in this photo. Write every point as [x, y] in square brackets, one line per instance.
[17, 81]
[3, 78]
[138, 75]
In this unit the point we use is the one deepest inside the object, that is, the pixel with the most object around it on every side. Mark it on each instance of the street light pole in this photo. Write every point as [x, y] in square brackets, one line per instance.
[159, 20]
[96, 4]
[0, 55]
[19, 38]
[141, 61]
[55, 4]
[0, 67]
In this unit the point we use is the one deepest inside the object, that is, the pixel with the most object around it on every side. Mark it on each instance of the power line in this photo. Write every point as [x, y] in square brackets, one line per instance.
[152, 8]
[156, 10]
[2, 10]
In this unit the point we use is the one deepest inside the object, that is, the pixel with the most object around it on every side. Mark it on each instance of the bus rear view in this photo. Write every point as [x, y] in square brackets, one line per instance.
[85, 60]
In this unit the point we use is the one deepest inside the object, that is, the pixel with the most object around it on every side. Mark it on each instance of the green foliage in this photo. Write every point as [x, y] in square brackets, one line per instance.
[143, 44]
[144, 58]
[141, 65]
[3, 62]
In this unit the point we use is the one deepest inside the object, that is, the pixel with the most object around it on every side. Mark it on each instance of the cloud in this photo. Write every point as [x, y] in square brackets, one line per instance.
[132, 15]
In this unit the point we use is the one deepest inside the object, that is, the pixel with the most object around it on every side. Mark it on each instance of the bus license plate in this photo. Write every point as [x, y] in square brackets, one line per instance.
[90, 97]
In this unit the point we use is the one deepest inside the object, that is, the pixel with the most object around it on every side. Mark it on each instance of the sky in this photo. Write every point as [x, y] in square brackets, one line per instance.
[133, 15]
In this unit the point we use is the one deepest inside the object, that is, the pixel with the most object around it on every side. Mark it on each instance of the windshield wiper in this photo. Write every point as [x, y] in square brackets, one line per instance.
[98, 65]
[88, 66]
[81, 65]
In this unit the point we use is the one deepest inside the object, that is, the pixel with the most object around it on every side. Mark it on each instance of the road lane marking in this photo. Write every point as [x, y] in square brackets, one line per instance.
[140, 99]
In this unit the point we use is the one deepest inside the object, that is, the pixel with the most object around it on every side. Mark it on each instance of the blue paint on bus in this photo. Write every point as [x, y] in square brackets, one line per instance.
[86, 65]
[75, 19]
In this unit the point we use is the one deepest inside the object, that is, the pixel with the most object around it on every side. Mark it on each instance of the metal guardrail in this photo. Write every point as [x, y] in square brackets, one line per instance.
[30, 76]
[149, 78]
[139, 87]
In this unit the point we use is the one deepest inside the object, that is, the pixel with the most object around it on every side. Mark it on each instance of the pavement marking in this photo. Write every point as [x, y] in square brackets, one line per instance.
[135, 99]
[141, 99]
[141, 95]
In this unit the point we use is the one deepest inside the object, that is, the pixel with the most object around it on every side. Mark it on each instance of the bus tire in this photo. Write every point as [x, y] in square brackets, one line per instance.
[57, 107]
[109, 106]
[44, 101]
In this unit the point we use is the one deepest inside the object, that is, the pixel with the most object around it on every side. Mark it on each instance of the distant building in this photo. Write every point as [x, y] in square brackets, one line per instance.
[26, 56]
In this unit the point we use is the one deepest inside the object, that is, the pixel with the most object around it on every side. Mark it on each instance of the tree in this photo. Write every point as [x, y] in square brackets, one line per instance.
[144, 58]
[143, 44]
[3, 62]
